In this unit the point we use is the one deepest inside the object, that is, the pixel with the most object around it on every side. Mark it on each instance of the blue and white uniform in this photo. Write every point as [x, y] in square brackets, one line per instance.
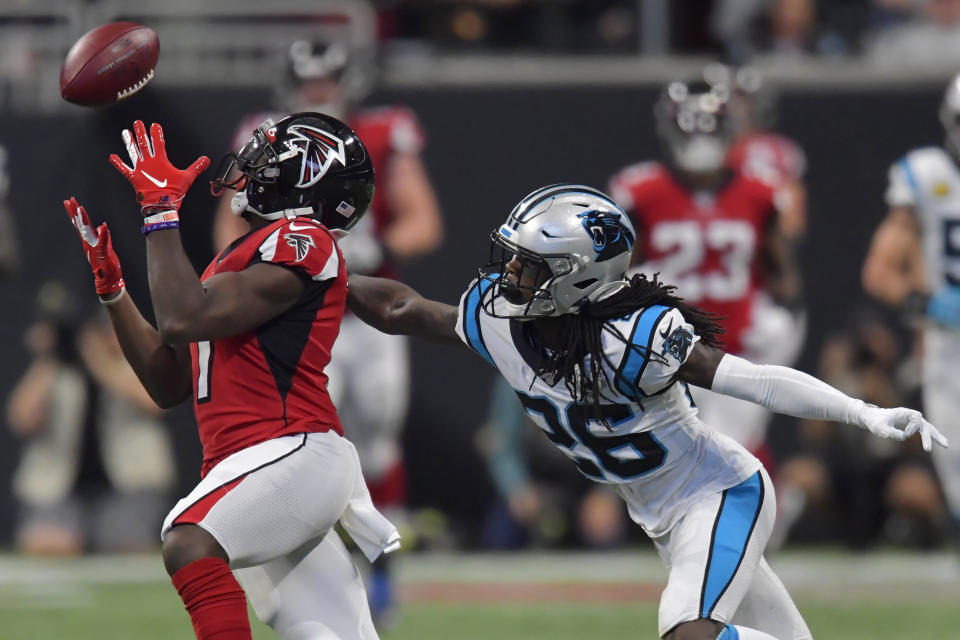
[704, 500]
[928, 181]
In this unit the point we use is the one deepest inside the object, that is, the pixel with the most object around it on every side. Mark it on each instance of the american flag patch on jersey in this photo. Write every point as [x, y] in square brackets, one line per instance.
[345, 210]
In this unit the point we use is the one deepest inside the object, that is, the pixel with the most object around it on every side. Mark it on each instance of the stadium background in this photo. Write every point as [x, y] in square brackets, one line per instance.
[501, 119]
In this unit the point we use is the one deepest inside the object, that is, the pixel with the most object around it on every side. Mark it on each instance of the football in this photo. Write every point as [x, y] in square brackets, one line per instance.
[109, 63]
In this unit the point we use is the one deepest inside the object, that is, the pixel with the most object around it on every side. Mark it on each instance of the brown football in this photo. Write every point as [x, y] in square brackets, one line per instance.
[110, 63]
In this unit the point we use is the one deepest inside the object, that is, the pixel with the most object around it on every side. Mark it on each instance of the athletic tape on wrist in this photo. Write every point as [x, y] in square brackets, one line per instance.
[115, 299]
[170, 215]
[145, 229]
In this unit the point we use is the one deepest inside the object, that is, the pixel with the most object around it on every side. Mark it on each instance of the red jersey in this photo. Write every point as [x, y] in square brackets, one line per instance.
[706, 243]
[385, 132]
[270, 382]
[769, 157]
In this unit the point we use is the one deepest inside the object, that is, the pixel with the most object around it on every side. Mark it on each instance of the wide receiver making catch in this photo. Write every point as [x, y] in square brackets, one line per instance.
[249, 339]
[602, 363]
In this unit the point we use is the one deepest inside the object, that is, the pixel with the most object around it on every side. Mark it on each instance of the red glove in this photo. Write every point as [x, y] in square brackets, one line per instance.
[159, 185]
[99, 249]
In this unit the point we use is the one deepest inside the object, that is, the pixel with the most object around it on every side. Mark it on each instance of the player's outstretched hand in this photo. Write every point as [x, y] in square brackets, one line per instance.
[99, 249]
[159, 185]
[900, 424]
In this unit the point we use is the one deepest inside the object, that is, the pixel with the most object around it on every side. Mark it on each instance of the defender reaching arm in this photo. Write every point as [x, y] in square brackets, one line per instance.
[395, 308]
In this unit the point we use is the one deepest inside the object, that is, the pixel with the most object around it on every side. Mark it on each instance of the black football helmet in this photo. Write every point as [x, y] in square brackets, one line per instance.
[693, 125]
[307, 164]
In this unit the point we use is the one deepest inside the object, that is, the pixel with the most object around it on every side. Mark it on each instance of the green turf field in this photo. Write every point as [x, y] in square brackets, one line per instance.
[864, 597]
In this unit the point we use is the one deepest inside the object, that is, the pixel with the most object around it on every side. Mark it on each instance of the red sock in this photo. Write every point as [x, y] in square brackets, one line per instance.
[214, 600]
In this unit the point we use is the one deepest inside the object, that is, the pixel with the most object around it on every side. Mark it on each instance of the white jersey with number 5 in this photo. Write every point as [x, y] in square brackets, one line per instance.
[655, 451]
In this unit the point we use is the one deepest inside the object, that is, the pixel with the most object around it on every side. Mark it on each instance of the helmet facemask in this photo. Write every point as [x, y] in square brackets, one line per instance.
[252, 162]
[526, 295]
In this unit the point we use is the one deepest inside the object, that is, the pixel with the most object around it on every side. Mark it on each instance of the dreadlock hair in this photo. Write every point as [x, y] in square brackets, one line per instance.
[580, 361]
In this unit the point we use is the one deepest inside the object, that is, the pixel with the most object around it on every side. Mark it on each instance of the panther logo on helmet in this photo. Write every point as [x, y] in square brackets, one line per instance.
[319, 150]
[610, 236]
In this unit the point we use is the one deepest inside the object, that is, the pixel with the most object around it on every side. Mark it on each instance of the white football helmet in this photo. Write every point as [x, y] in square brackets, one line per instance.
[950, 116]
[574, 244]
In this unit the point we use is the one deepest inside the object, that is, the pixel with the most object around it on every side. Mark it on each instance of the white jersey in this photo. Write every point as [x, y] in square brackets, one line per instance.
[656, 452]
[928, 181]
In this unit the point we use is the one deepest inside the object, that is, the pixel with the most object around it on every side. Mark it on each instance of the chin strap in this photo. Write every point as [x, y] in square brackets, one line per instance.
[239, 204]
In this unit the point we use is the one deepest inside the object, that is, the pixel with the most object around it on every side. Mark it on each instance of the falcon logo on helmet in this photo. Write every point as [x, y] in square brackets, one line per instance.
[319, 150]
[610, 236]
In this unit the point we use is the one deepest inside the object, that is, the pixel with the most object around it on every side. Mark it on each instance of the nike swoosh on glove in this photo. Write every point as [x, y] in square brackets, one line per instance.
[159, 185]
[98, 247]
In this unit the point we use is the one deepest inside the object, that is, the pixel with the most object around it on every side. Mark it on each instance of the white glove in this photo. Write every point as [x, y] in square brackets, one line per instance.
[900, 424]
[794, 393]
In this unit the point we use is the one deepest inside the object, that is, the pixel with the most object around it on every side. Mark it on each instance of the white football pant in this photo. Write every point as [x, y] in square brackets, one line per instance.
[272, 508]
[716, 570]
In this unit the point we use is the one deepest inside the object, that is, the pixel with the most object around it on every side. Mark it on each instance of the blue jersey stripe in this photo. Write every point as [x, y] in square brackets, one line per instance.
[635, 358]
[739, 510]
[729, 633]
[909, 175]
[471, 318]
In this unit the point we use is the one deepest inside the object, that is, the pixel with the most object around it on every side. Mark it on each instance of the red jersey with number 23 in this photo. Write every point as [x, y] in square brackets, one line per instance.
[707, 243]
[269, 382]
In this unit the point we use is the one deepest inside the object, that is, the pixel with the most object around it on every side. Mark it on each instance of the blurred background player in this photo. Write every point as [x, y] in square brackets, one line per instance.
[715, 230]
[97, 461]
[369, 371]
[757, 150]
[914, 262]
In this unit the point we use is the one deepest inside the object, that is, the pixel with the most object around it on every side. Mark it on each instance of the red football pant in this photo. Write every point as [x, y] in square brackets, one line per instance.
[214, 599]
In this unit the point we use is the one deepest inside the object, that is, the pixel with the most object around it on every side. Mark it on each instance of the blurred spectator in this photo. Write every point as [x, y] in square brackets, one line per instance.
[9, 253]
[96, 459]
[915, 32]
[536, 493]
[786, 28]
[546, 26]
[733, 22]
[792, 24]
